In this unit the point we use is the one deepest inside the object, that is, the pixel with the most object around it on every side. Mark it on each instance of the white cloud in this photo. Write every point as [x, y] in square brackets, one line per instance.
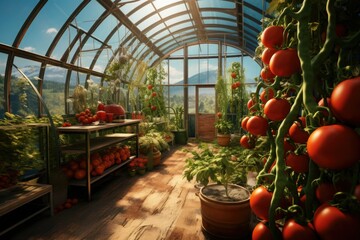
[98, 68]
[51, 30]
[176, 75]
[29, 49]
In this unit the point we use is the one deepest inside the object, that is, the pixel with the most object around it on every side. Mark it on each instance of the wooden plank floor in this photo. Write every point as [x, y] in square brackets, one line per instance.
[158, 205]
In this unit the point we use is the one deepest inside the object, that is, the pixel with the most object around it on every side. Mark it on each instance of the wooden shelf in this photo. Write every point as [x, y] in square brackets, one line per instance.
[17, 204]
[100, 140]
[82, 183]
[98, 143]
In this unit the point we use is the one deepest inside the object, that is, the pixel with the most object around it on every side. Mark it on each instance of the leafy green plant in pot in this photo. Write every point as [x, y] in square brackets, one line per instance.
[180, 133]
[225, 206]
[224, 128]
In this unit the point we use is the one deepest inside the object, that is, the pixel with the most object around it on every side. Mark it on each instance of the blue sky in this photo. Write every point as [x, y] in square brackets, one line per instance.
[43, 30]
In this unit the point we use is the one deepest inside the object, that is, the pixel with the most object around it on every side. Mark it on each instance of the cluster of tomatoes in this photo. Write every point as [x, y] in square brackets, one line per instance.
[328, 140]
[99, 162]
[86, 117]
[235, 84]
[8, 179]
[137, 164]
[69, 203]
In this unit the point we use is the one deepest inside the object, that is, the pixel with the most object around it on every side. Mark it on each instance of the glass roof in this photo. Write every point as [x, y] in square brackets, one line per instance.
[89, 33]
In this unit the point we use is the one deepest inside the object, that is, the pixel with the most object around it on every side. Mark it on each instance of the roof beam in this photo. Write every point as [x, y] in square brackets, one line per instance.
[110, 6]
[195, 13]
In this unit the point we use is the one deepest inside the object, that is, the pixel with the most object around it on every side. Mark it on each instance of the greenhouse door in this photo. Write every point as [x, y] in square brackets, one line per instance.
[205, 113]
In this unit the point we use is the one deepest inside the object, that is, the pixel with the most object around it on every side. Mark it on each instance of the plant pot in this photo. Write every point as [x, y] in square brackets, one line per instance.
[180, 136]
[223, 139]
[156, 157]
[224, 218]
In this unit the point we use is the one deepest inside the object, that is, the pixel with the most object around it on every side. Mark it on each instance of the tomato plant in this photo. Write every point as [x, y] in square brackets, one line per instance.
[285, 63]
[272, 36]
[334, 147]
[276, 109]
[257, 125]
[260, 200]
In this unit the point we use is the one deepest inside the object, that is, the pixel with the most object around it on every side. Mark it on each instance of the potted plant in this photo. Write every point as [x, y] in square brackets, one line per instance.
[225, 205]
[180, 133]
[223, 127]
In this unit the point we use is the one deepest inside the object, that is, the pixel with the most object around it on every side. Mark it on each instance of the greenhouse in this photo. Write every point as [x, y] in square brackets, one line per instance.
[179, 119]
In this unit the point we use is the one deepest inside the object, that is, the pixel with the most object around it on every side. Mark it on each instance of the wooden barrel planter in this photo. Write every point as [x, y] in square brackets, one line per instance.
[223, 139]
[223, 219]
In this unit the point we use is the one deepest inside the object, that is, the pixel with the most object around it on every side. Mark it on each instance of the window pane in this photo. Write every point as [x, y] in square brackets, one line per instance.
[46, 25]
[3, 59]
[14, 13]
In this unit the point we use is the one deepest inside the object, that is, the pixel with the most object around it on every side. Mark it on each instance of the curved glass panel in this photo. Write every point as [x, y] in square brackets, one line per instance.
[148, 21]
[220, 22]
[43, 29]
[218, 15]
[138, 15]
[178, 19]
[53, 89]
[23, 99]
[3, 60]
[169, 11]
[216, 4]
[13, 13]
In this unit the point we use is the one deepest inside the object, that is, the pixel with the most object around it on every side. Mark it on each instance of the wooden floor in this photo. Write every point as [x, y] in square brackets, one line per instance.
[158, 205]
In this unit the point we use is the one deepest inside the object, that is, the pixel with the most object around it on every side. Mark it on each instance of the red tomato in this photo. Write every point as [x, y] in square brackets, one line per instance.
[150, 87]
[332, 224]
[250, 105]
[298, 134]
[153, 108]
[267, 75]
[288, 146]
[276, 109]
[246, 142]
[80, 174]
[334, 147]
[233, 74]
[293, 230]
[260, 200]
[267, 54]
[233, 86]
[272, 36]
[357, 192]
[267, 94]
[262, 232]
[325, 192]
[298, 163]
[257, 125]
[153, 94]
[101, 107]
[345, 99]
[285, 63]
[244, 121]
[219, 115]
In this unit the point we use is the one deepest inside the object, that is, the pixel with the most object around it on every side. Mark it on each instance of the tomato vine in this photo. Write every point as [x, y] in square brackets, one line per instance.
[328, 54]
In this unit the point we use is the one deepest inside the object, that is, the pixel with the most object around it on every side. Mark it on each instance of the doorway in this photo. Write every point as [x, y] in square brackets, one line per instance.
[205, 112]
